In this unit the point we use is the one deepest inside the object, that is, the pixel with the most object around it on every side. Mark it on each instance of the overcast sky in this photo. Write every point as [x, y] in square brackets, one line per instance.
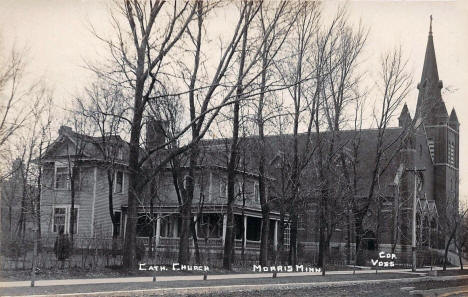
[58, 38]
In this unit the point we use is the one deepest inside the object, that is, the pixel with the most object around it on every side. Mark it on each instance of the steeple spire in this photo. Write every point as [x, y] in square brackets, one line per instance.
[430, 25]
[430, 104]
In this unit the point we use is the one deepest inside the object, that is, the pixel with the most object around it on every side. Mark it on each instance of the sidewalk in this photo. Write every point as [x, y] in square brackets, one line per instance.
[231, 287]
[450, 291]
[162, 278]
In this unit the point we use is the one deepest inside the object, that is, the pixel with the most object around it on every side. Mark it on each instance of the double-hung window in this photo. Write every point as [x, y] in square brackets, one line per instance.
[62, 219]
[116, 227]
[61, 178]
[60, 214]
[118, 182]
[222, 188]
[256, 192]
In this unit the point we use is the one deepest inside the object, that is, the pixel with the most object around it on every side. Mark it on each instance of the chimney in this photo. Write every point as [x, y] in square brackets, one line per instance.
[156, 133]
[65, 130]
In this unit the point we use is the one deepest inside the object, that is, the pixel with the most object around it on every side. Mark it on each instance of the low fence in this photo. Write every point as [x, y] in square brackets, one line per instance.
[98, 252]
[84, 253]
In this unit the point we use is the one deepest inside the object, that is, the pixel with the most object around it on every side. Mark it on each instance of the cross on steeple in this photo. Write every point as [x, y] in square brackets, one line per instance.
[430, 25]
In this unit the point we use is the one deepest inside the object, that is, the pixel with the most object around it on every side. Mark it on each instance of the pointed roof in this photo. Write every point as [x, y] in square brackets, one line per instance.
[453, 116]
[404, 111]
[453, 120]
[430, 105]
[430, 71]
[405, 118]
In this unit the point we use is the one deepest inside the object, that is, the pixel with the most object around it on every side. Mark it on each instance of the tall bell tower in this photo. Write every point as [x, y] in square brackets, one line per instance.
[442, 133]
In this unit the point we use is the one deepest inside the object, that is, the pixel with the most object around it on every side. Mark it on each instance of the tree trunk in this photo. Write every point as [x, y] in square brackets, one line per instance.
[187, 192]
[233, 158]
[321, 259]
[110, 197]
[323, 220]
[228, 240]
[9, 221]
[195, 243]
[348, 239]
[186, 208]
[447, 245]
[129, 252]
[358, 236]
[72, 208]
[280, 248]
[244, 228]
[228, 244]
[38, 201]
[264, 238]
[20, 226]
[185, 231]
[460, 258]
[293, 241]
[326, 248]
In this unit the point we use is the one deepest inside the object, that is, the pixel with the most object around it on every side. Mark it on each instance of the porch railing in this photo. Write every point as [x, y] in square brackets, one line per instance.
[202, 243]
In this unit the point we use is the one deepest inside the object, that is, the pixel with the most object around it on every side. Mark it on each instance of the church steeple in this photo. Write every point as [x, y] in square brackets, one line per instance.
[430, 106]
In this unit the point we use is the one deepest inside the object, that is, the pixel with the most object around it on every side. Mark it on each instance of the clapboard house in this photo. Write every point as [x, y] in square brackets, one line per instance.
[81, 158]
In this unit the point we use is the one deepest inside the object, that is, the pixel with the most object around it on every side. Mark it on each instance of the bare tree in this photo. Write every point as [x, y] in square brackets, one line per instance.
[298, 74]
[18, 97]
[137, 63]
[339, 90]
[452, 222]
[102, 108]
[283, 19]
[233, 151]
[393, 86]
[75, 155]
[461, 238]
